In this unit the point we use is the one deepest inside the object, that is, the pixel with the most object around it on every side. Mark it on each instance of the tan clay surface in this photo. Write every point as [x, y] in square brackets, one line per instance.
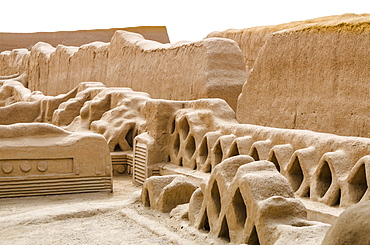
[211, 68]
[351, 227]
[99, 218]
[321, 84]
[42, 159]
[251, 40]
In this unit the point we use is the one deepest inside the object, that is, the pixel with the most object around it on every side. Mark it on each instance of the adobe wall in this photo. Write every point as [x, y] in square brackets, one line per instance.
[314, 77]
[251, 40]
[10, 41]
[211, 68]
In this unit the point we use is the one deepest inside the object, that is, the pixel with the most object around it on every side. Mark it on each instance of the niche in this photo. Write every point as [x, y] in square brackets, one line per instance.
[324, 179]
[173, 126]
[204, 223]
[295, 174]
[255, 154]
[239, 208]
[203, 151]
[131, 134]
[180, 162]
[176, 145]
[358, 184]
[253, 237]
[190, 147]
[215, 193]
[184, 127]
[224, 231]
[234, 151]
[117, 147]
[218, 153]
[275, 161]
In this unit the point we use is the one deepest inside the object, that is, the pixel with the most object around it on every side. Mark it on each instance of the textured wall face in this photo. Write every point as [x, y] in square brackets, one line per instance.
[205, 69]
[12, 62]
[211, 68]
[251, 40]
[313, 77]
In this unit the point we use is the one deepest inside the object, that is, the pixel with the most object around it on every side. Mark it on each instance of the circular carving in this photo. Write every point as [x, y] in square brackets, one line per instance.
[120, 169]
[42, 166]
[25, 166]
[7, 167]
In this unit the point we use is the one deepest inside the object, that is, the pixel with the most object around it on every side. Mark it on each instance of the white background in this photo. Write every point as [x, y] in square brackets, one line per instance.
[185, 20]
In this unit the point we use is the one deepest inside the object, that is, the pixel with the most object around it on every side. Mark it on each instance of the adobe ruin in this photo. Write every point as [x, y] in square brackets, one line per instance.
[255, 136]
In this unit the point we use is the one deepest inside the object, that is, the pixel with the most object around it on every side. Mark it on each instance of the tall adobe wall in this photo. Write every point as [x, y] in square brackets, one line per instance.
[251, 40]
[314, 76]
[210, 68]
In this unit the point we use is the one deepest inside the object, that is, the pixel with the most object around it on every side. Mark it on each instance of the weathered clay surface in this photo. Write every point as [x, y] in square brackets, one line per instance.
[251, 174]
[314, 77]
[39, 159]
[211, 68]
[200, 134]
[250, 202]
[116, 113]
[251, 40]
[351, 227]
[164, 193]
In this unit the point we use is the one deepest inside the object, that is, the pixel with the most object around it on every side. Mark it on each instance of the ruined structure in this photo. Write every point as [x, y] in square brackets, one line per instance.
[326, 69]
[213, 67]
[167, 113]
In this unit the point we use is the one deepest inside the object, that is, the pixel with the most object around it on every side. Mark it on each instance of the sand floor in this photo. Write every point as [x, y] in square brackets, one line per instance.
[93, 218]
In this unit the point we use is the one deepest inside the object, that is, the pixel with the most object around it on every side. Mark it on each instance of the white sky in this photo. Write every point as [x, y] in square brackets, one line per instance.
[185, 20]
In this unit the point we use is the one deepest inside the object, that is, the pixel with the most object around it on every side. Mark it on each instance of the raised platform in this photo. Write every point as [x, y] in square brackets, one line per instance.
[42, 159]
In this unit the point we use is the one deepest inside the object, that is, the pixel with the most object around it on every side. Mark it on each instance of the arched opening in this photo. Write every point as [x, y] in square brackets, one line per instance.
[255, 154]
[275, 161]
[131, 134]
[176, 145]
[184, 127]
[204, 224]
[324, 179]
[295, 174]
[218, 153]
[215, 193]
[239, 208]
[234, 151]
[224, 231]
[190, 147]
[358, 184]
[203, 151]
[253, 237]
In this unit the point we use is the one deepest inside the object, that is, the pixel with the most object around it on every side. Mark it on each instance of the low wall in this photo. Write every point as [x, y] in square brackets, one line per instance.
[314, 77]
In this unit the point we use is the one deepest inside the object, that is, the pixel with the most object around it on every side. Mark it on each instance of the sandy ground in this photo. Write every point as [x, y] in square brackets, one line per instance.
[93, 218]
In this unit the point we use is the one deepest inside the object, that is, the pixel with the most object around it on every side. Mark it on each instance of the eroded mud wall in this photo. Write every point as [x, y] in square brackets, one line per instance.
[251, 40]
[314, 77]
[210, 68]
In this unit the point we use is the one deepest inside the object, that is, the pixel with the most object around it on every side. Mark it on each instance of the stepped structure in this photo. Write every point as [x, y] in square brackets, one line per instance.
[274, 158]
